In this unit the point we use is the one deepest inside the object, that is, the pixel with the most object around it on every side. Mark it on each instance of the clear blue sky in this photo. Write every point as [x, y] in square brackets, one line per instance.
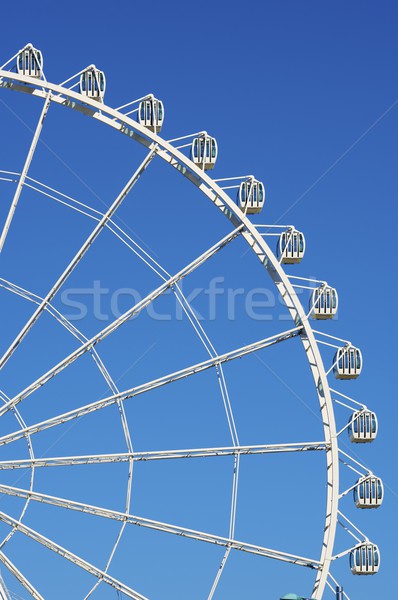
[304, 96]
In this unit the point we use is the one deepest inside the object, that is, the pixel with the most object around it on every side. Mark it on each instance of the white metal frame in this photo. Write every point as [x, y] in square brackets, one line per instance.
[256, 242]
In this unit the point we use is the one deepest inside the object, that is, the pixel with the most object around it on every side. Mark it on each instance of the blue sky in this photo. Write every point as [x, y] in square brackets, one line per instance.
[304, 96]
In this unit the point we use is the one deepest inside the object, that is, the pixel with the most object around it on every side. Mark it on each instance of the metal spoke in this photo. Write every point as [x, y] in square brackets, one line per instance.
[134, 310]
[25, 169]
[73, 558]
[79, 255]
[64, 461]
[151, 385]
[157, 525]
[21, 578]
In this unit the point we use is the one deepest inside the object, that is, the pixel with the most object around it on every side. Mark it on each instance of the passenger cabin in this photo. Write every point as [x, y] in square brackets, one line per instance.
[204, 152]
[92, 84]
[365, 559]
[324, 302]
[251, 196]
[291, 246]
[347, 363]
[368, 492]
[30, 62]
[151, 114]
[362, 426]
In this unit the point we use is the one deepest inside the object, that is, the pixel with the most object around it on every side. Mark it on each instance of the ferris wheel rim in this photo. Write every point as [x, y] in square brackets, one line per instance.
[165, 150]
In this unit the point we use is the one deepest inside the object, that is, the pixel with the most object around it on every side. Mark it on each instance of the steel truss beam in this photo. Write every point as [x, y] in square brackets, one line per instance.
[21, 578]
[157, 525]
[94, 459]
[146, 387]
[73, 558]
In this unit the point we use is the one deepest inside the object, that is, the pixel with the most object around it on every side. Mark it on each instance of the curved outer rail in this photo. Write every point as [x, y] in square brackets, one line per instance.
[186, 167]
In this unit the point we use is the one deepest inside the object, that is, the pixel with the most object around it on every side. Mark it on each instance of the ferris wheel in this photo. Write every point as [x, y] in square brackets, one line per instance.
[239, 199]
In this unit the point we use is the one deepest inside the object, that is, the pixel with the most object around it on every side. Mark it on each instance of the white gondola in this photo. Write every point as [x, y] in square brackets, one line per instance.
[324, 302]
[291, 247]
[365, 559]
[368, 492]
[347, 363]
[30, 62]
[204, 151]
[93, 83]
[251, 196]
[151, 114]
[362, 426]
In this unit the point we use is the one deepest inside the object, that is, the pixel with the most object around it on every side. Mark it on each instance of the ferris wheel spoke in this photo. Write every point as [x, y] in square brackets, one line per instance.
[70, 556]
[65, 461]
[148, 523]
[151, 385]
[25, 169]
[79, 255]
[134, 310]
[21, 578]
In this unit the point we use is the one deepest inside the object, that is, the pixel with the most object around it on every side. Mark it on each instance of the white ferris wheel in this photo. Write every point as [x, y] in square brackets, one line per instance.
[25, 420]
